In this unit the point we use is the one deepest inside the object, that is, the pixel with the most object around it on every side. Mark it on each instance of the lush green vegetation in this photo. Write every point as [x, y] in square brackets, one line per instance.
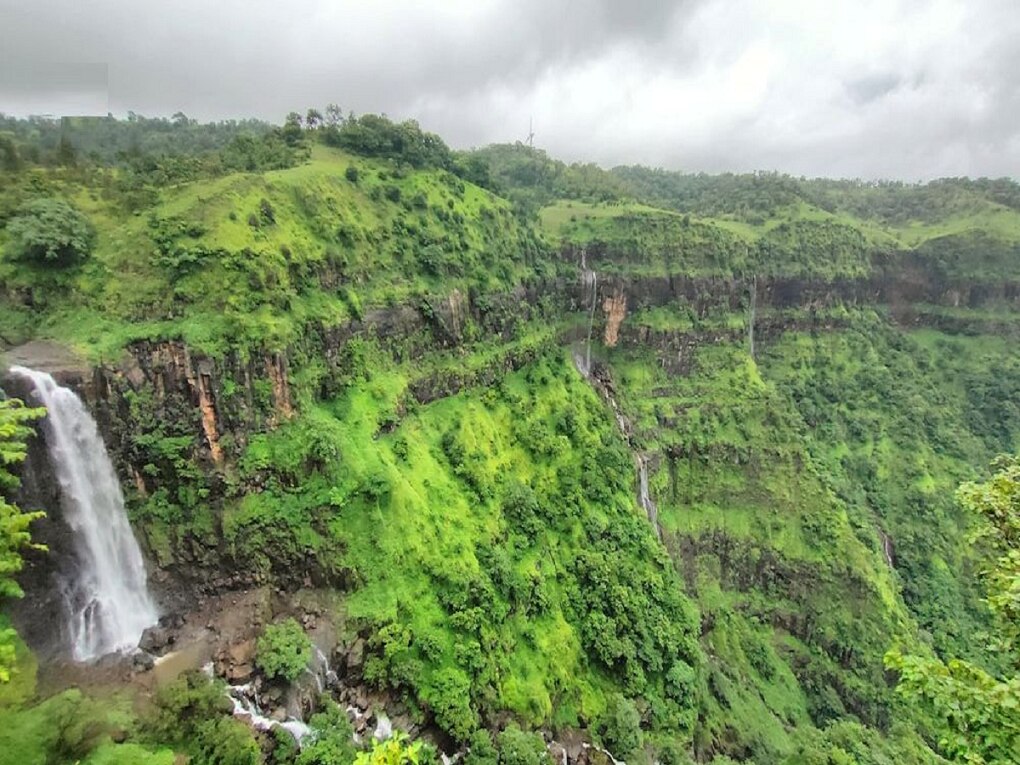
[978, 708]
[528, 583]
[283, 650]
[361, 344]
[191, 714]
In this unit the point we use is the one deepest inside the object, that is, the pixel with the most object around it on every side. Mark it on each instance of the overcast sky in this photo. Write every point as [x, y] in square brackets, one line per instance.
[894, 88]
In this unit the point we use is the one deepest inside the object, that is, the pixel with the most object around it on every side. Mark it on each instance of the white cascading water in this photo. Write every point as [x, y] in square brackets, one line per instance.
[645, 497]
[109, 604]
[246, 707]
[590, 281]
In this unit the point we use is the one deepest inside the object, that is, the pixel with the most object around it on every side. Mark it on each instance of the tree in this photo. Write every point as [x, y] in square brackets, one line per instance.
[980, 712]
[50, 232]
[67, 155]
[291, 131]
[14, 523]
[313, 119]
[10, 158]
[334, 115]
[373, 135]
[283, 651]
[518, 747]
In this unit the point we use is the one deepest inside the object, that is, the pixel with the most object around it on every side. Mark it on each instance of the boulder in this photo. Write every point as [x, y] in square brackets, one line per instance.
[573, 742]
[155, 639]
[355, 661]
[238, 674]
[171, 621]
[361, 697]
[142, 662]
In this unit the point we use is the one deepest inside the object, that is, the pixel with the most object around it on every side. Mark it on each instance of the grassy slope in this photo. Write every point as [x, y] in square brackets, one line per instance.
[250, 259]
[798, 239]
[414, 517]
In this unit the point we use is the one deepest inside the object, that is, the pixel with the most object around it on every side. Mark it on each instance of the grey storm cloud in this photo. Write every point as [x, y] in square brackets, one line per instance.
[874, 88]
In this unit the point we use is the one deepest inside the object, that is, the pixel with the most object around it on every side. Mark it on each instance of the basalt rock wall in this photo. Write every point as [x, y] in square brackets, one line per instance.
[165, 408]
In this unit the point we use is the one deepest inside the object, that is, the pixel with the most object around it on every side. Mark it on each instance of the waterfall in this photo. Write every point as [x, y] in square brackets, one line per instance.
[320, 670]
[753, 310]
[887, 549]
[645, 497]
[108, 604]
[589, 280]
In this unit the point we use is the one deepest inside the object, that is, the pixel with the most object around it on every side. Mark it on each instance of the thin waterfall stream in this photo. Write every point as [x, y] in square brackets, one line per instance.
[645, 497]
[589, 281]
[108, 603]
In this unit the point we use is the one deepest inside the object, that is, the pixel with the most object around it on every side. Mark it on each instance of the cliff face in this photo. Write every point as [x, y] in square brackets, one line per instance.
[249, 468]
[177, 421]
[170, 414]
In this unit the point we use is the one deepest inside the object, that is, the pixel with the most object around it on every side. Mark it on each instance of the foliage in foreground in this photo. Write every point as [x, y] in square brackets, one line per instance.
[981, 711]
[396, 750]
[193, 715]
[14, 523]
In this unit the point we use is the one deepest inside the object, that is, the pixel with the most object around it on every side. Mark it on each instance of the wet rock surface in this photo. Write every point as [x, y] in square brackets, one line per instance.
[156, 640]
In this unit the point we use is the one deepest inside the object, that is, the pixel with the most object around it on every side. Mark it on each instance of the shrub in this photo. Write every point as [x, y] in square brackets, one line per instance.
[450, 700]
[331, 741]
[620, 727]
[518, 747]
[193, 714]
[283, 651]
[394, 751]
[50, 232]
[672, 754]
[351, 173]
[481, 750]
[266, 212]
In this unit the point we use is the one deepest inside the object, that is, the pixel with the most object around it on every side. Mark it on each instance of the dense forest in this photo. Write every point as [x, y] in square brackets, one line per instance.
[479, 454]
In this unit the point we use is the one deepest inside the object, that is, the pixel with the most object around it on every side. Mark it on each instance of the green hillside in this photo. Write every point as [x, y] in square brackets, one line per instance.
[349, 360]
